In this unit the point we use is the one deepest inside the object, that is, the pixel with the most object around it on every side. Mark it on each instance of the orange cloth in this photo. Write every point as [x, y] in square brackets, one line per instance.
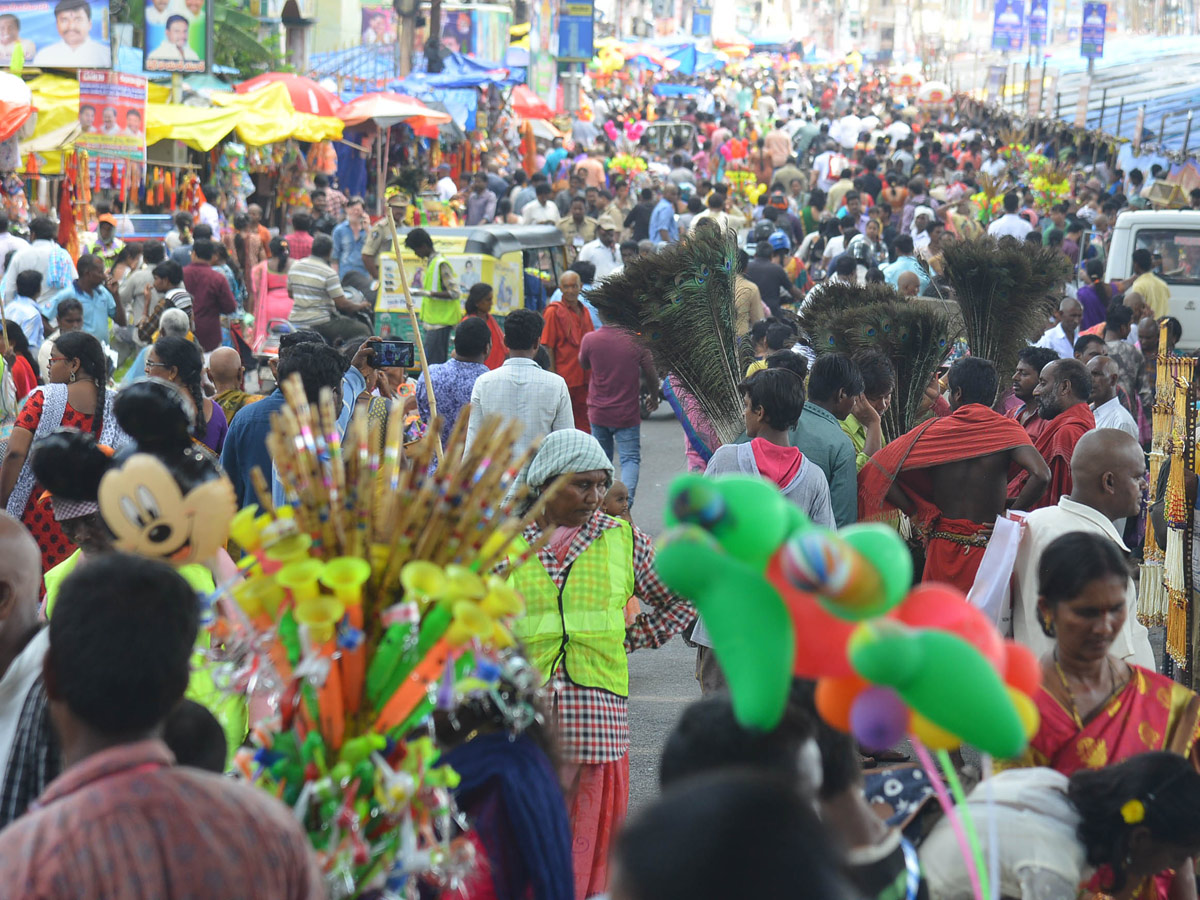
[1057, 443]
[950, 562]
[597, 796]
[563, 333]
[499, 353]
[969, 432]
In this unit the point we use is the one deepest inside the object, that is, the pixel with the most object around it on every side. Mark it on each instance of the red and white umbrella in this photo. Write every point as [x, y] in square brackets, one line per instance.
[935, 92]
[16, 104]
[307, 96]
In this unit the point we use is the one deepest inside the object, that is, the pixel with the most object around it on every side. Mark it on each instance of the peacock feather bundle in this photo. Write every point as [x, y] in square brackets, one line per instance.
[1005, 289]
[679, 303]
[831, 297]
[916, 336]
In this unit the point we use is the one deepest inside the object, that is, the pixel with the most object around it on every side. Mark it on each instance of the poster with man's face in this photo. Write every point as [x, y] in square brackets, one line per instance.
[378, 25]
[56, 34]
[112, 115]
[176, 36]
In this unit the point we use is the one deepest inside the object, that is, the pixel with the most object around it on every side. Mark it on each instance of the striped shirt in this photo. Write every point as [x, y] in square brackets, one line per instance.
[314, 286]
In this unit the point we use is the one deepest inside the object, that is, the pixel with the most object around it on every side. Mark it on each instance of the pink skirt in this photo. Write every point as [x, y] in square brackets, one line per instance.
[597, 800]
[275, 306]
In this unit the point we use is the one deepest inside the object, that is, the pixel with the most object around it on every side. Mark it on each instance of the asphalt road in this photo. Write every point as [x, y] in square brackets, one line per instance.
[661, 682]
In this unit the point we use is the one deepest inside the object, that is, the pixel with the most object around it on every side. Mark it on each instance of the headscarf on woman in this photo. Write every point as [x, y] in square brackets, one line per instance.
[569, 450]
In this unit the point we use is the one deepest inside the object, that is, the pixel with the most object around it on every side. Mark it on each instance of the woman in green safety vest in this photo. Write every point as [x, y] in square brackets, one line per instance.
[574, 632]
[437, 287]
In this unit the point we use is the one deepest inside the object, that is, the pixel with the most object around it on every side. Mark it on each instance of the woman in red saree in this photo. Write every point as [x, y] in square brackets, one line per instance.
[1097, 710]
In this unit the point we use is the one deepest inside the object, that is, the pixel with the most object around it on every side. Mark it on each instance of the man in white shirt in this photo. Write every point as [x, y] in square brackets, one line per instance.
[208, 214]
[77, 49]
[1108, 474]
[44, 255]
[1106, 406]
[174, 47]
[543, 210]
[1010, 223]
[446, 188]
[9, 243]
[603, 252]
[1061, 338]
[521, 389]
[828, 166]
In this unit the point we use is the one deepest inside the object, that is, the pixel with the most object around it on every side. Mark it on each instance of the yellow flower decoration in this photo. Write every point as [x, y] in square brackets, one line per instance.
[1133, 811]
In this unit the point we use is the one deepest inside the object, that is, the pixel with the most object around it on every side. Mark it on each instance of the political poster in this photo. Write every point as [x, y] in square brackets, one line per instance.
[1039, 22]
[457, 32]
[176, 36]
[112, 115]
[1008, 25]
[378, 25]
[56, 34]
[575, 32]
[1091, 32]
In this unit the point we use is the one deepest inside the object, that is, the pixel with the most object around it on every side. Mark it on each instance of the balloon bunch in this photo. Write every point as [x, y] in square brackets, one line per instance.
[783, 598]
[363, 608]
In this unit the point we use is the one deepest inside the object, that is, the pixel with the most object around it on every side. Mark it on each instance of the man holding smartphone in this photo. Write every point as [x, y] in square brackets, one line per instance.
[437, 286]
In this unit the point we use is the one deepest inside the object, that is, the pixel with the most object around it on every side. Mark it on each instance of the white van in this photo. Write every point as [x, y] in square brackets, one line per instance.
[1173, 234]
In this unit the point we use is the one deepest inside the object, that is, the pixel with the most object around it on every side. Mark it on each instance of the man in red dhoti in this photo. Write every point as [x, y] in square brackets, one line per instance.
[949, 474]
[1064, 387]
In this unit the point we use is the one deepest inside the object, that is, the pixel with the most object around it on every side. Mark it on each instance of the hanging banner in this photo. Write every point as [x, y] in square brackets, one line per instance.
[112, 115]
[542, 75]
[1008, 25]
[1081, 105]
[575, 35]
[67, 34]
[995, 83]
[176, 36]
[702, 21]
[1039, 22]
[1091, 32]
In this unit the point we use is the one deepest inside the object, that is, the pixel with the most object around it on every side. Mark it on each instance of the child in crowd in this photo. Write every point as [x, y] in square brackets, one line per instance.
[616, 504]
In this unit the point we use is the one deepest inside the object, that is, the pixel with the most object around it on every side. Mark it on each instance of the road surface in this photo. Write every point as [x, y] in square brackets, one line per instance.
[661, 682]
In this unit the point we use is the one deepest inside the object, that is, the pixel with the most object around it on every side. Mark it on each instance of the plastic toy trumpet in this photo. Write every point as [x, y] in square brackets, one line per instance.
[345, 576]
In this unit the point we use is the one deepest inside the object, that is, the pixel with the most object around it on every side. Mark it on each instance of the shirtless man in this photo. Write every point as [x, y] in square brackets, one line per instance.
[951, 475]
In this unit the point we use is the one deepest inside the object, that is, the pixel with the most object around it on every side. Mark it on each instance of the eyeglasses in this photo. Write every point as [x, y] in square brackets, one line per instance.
[55, 359]
[150, 364]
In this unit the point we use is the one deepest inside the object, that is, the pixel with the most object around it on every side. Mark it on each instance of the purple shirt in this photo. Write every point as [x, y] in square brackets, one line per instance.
[452, 383]
[111, 828]
[481, 207]
[210, 298]
[616, 362]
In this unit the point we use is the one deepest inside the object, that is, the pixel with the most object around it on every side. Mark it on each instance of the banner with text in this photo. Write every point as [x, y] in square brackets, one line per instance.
[176, 36]
[702, 21]
[112, 115]
[1039, 22]
[575, 31]
[1091, 32]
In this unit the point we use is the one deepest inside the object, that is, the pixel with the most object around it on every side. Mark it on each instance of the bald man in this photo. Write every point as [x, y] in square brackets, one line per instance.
[1061, 338]
[1108, 474]
[908, 284]
[1106, 406]
[228, 375]
[29, 751]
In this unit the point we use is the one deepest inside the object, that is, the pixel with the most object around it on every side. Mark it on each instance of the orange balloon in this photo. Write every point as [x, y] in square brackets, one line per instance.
[1021, 668]
[820, 637]
[932, 736]
[944, 607]
[835, 696]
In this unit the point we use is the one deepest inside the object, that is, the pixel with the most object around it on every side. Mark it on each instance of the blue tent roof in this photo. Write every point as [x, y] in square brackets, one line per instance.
[375, 63]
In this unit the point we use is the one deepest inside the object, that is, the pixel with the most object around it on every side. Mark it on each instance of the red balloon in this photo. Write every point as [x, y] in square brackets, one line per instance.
[944, 607]
[820, 637]
[835, 696]
[1021, 668]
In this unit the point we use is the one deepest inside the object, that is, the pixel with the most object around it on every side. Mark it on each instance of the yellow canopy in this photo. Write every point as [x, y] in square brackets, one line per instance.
[261, 117]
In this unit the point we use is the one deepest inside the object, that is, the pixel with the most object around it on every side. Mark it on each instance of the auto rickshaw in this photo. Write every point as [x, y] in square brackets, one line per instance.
[522, 263]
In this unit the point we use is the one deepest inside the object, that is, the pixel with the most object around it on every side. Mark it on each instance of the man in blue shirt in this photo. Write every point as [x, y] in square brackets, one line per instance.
[348, 239]
[88, 288]
[663, 228]
[319, 365]
[905, 262]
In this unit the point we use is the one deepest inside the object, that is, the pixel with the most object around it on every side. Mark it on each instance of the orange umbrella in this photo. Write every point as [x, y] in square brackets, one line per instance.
[307, 96]
[386, 108]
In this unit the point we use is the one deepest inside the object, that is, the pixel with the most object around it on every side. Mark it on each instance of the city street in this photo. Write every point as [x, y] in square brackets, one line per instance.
[661, 681]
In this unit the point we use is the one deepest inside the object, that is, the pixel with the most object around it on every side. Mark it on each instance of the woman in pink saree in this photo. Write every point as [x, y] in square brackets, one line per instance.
[269, 293]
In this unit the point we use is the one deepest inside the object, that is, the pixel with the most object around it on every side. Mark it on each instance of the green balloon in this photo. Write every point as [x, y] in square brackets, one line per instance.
[750, 627]
[747, 516]
[887, 552]
[945, 679]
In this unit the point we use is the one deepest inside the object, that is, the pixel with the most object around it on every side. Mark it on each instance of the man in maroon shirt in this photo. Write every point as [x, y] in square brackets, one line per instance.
[210, 292]
[619, 369]
[123, 821]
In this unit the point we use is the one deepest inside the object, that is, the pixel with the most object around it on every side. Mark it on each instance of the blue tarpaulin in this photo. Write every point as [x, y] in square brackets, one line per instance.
[678, 90]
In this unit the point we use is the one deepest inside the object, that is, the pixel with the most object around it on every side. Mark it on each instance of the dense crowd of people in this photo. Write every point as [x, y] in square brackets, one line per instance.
[827, 182]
